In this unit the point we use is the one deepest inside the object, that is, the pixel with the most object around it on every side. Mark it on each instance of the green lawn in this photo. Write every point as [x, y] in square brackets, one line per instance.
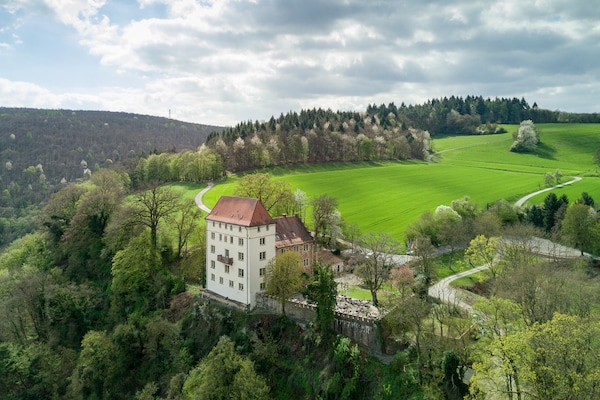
[387, 196]
[459, 264]
[468, 280]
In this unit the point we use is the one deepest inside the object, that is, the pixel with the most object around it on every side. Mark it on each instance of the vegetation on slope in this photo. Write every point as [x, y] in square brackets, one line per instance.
[40, 148]
[94, 305]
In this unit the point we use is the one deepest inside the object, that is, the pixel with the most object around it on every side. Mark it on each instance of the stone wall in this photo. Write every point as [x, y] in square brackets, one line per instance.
[362, 330]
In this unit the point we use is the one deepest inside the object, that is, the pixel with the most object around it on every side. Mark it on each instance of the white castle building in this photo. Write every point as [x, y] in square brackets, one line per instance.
[241, 239]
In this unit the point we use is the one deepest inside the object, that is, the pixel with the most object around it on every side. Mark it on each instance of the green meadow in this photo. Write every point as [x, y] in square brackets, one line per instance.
[387, 196]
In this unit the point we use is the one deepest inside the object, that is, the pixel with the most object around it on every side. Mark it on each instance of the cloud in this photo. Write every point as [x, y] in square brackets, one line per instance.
[230, 60]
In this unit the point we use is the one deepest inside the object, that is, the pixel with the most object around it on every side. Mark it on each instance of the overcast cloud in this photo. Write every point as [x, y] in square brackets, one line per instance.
[220, 62]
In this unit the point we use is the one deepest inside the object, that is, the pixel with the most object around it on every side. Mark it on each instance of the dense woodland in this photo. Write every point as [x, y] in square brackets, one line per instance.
[95, 305]
[97, 301]
[42, 151]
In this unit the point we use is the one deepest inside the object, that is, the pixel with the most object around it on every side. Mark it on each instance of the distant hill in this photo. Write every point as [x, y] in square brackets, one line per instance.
[39, 148]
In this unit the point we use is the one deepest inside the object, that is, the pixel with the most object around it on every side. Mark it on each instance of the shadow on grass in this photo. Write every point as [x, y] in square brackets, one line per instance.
[545, 151]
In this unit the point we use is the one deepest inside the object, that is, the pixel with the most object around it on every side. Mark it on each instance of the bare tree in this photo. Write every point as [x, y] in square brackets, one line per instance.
[377, 250]
[152, 206]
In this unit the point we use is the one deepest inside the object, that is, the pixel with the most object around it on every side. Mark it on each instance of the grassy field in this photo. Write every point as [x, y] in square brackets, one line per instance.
[388, 196]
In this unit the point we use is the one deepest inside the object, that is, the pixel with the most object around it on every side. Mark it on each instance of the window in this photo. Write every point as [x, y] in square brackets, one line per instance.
[230, 283]
[212, 263]
[262, 240]
[240, 228]
[305, 247]
[219, 224]
[230, 227]
[225, 238]
[241, 273]
[213, 223]
[220, 237]
[282, 251]
[262, 255]
[240, 286]
[306, 262]
[262, 271]
[262, 286]
[241, 241]
[231, 239]
[296, 249]
[212, 235]
[221, 280]
[241, 256]
[226, 253]
[212, 248]
[226, 269]
[212, 277]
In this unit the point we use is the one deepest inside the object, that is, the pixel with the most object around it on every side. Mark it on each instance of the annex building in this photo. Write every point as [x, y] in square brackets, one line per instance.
[241, 239]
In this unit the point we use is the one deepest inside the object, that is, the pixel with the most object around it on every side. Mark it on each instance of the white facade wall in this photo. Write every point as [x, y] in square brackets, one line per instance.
[249, 254]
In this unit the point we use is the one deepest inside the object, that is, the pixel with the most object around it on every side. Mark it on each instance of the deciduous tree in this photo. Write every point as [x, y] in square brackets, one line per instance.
[323, 210]
[224, 375]
[377, 250]
[152, 206]
[482, 251]
[284, 276]
[580, 226]
[186, 223]
[526, 138]
[323, 291]
[450, 229]
[276, 196]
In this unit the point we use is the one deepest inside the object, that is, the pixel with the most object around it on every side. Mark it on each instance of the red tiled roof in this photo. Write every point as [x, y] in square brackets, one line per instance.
[326, 257]
[240, 211]
[290, 231]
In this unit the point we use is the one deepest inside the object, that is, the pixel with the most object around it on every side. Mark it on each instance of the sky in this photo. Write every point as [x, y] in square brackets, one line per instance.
[220, 62]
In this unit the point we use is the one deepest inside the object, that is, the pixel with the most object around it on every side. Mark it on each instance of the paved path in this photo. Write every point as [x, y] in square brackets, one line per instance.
[522, 200]
[443, 291]
[198, 198]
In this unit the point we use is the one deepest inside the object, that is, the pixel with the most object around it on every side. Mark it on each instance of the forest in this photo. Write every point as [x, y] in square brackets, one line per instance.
[42, 151]
[99, 298]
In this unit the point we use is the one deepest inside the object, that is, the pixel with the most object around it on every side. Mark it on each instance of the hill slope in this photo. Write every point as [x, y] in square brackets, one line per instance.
[40, 148]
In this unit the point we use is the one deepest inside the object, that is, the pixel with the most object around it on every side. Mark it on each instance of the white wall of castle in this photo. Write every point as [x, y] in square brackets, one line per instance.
[250, 248]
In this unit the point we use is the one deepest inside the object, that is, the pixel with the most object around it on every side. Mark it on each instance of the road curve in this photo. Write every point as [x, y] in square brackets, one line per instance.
[443, 291]
[198, 198]
[522, 200]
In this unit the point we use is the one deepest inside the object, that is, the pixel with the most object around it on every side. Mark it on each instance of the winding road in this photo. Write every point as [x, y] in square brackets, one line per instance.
[442, 289]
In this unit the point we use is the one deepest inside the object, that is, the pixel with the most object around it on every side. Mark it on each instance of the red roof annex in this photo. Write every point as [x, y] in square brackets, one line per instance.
[291, 231]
